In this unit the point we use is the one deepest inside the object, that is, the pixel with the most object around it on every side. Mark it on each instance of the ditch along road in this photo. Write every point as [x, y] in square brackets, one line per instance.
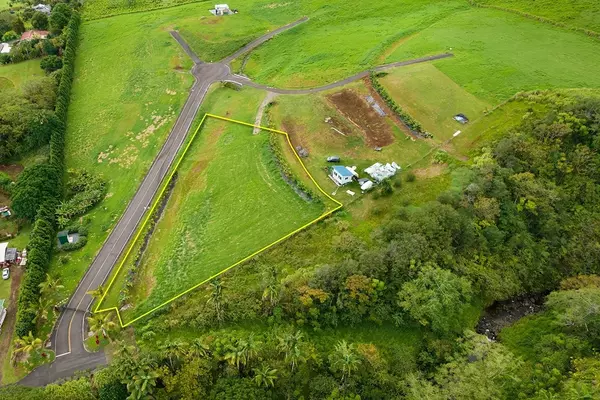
[70, 331]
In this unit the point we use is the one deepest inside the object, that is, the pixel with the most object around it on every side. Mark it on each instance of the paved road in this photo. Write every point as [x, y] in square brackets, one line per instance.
[70, 331]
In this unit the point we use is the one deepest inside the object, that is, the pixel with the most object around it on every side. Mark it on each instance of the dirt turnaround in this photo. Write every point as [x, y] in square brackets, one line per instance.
[504, 313]
[376, 129]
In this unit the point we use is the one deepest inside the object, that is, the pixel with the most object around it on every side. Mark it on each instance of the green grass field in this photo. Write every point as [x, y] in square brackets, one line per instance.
[432, 98]
[498, 54]
[341, 38]
[13, 76]
[228, 202]
[579, 14]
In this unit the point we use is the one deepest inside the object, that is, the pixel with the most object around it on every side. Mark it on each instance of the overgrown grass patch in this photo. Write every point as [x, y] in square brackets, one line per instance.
[498, 54]
[341, 38]
[579, 14]
[12, 76]
[432, 98]
[229, 201]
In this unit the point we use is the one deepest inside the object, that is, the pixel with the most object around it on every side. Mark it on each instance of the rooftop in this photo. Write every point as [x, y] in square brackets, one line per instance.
[342, 171]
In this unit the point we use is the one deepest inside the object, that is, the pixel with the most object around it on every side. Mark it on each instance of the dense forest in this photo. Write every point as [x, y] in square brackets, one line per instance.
[523, 217]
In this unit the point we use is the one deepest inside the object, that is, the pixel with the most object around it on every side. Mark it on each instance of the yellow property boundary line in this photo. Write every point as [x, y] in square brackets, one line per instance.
[157, 200]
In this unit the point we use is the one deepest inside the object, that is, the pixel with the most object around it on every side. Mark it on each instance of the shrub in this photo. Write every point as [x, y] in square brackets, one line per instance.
[10, 35]
[385, 188]
[397, 183]
[410, 177]
[84, 191]
[51, 63]
[39, 21]
[75, 246]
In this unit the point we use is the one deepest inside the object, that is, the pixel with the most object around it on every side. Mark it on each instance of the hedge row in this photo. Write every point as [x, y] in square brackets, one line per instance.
[588, 32]
[43, 235]
[403, 115]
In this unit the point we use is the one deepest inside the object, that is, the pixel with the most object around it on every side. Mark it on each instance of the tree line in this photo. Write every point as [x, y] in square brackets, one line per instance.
[38, 192]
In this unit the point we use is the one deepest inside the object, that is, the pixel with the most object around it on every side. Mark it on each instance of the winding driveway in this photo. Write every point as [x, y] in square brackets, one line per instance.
[70, 331]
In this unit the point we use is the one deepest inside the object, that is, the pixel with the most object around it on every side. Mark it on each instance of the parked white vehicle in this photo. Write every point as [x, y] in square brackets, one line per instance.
[5, 273]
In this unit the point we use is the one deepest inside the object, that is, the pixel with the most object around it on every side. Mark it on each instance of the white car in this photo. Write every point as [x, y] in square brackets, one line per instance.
[5, 273]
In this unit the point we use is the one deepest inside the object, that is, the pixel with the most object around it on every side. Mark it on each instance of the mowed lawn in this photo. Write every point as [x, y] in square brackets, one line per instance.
[576, 13]
[229, 201]
[498, 54]
[432, 98]
[341, 38]
[12, 76]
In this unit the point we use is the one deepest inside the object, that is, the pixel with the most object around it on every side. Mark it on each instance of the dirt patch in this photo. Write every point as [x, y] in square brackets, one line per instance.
[504, 313]
[12, 170]
[377, 131]
[211, 21]
[430, 172]
[393, 116]
[290, 127]
[9, 323]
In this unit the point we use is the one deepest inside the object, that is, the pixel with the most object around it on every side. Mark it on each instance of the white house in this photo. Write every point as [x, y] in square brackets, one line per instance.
[5, 48]
[222, 9]
[43, 8]
[341, 175]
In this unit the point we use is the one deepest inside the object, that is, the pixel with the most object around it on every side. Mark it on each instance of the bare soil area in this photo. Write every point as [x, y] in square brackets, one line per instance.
[376, 129]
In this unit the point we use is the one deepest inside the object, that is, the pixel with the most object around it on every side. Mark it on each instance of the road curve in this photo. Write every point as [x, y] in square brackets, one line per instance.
[70, 331]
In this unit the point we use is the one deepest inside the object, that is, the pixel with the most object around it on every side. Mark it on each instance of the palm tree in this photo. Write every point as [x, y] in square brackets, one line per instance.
[42, 309]
[344, 359]
[265, 376]
[97, 293]
[142, 383]
[198, 349]
[291, 345]
[102, 324]
[174, 351]
[271, 291]
[27, 344]
[216, 299]
[50, 285]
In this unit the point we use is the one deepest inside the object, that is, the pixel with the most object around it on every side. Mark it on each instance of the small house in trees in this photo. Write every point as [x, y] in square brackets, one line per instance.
[64, 237]
[31, 35]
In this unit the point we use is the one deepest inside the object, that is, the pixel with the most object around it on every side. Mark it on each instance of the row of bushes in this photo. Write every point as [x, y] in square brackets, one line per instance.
[43, 235]
[280, 163]
[588, 32]
[407, 119]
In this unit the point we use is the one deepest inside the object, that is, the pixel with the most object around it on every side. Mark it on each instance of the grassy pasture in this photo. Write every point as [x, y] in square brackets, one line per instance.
[341, 38]
[229, 201]
[303, 117]
[498, 54]
[428, 95]
[12, 76]
[579, 14]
